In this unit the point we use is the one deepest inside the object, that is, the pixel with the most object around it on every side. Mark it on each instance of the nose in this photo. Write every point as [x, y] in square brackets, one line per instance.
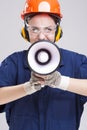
[42, 36]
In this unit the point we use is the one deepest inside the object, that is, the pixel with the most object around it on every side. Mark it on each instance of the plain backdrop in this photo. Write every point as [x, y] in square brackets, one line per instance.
[74, 25]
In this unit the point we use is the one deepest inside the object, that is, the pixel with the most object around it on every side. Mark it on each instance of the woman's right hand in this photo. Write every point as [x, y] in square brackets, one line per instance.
[34, 84]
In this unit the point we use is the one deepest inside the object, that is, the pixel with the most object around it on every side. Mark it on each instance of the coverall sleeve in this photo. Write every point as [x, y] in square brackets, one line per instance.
[8, 75]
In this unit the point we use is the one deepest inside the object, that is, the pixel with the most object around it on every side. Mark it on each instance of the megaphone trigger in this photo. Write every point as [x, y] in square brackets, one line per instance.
[43, 57]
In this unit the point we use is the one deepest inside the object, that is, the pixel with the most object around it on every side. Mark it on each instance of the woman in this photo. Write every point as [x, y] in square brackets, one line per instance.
[36, 102]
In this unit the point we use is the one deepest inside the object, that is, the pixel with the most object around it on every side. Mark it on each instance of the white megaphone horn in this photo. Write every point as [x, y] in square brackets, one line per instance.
[43, 57]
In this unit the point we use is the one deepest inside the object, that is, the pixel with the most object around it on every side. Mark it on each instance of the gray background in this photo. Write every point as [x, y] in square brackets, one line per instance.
[74, 24]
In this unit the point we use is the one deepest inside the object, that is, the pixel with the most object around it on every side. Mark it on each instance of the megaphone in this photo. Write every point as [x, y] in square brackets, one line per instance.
[43, 57]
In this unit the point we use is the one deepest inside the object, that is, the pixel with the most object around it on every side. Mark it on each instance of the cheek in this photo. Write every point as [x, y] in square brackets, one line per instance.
[51, 38]
[32, 38]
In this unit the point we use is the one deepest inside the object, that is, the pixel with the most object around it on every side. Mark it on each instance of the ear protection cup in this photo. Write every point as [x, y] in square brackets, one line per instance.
[59, 33]
[24, 34]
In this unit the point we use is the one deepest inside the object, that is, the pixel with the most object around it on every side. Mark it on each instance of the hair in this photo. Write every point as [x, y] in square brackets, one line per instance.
[55, 17]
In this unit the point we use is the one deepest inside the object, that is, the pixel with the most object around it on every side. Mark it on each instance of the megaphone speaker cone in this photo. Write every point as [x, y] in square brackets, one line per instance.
[43, 57]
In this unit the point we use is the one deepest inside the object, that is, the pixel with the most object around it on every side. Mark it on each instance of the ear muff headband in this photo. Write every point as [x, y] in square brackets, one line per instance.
[25, 35]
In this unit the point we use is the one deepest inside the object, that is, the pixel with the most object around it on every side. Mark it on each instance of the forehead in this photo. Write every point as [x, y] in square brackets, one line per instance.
[41, 18]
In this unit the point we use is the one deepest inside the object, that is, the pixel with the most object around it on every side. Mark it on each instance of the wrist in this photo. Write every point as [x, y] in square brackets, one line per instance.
[64, 83]
[29, 88]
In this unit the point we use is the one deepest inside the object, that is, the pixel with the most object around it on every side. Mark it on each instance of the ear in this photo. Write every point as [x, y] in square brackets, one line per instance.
[59, 33]
[24, 34]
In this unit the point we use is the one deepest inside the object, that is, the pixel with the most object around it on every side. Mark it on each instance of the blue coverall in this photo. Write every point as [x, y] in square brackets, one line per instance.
[49, 108]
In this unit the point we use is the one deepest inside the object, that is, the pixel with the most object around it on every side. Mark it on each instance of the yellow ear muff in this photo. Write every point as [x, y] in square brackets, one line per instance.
[23, 34]
[59, 33]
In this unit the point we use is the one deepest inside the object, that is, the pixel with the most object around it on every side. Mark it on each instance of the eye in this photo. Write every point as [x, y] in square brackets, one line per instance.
[34, 29]
[48, 29]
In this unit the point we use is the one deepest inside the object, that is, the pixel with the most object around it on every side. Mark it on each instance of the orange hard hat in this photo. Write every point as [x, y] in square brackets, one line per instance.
[41, 6]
